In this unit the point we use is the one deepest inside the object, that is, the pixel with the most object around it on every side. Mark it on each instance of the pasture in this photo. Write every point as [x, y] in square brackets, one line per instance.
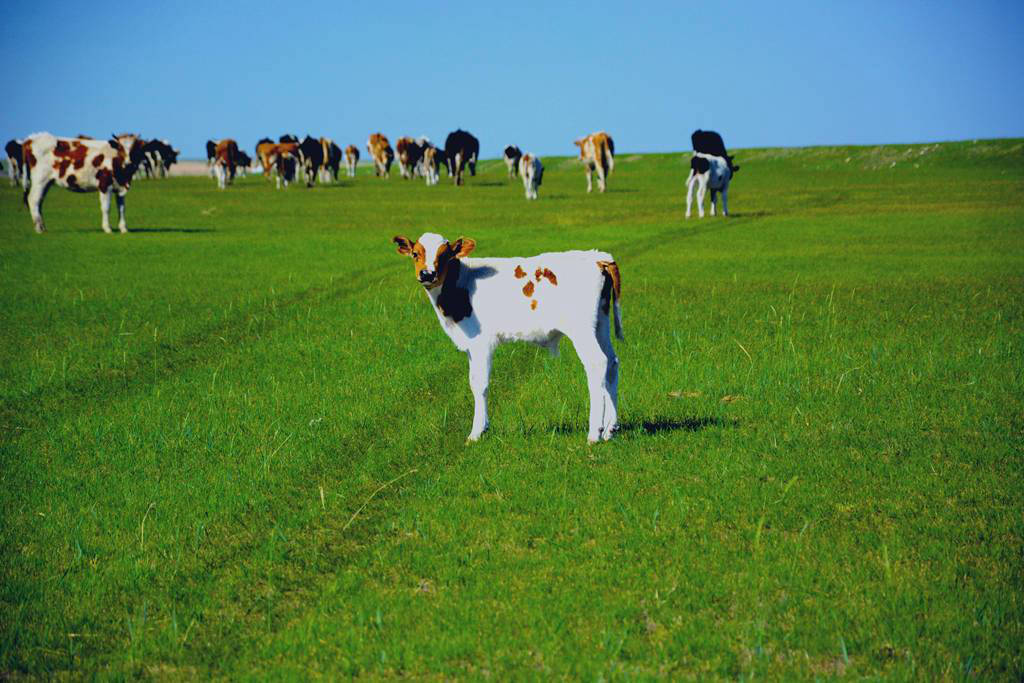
[232, 441]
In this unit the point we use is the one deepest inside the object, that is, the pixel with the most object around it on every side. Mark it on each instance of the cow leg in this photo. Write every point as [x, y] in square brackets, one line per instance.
[601, 174]
[702, 188]
[479, 379]
[105, 210]
[725, 200]
[37, 191]
[590, 173]
[457, 176]
[714, 200]
[689, 192]
[121, 224]
[12, 171]
[611, 378]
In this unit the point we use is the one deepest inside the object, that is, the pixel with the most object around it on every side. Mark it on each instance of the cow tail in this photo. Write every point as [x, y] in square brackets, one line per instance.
[611, 154]
[611, 271]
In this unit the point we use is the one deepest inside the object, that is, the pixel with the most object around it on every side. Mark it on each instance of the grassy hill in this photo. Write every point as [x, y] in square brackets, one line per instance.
[232, 441]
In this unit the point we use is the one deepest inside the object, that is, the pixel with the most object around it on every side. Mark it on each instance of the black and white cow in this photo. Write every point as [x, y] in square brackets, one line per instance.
[512, 156]
[160, 157]
[461, 148]
[709, 142]
[712, 168]
[13, 149]
[332, 160]
[311, 154]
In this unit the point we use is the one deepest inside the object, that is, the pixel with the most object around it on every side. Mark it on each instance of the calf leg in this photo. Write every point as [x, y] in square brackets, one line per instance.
[596, 364]
[479, 379]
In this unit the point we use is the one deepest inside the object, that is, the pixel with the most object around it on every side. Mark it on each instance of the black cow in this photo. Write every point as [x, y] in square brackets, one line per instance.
[461, 148]
[512, 156]
[332, 160]
[311, 154]
[710, 142]
[244, 162]
[160, 156]
[288, 138]
[13, 149]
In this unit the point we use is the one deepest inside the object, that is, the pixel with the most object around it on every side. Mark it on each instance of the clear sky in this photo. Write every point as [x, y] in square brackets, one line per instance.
[536, 74]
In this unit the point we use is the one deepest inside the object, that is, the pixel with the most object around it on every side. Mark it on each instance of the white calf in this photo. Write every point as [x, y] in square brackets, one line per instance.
[484, 302]
[706, 172]
[532, 172]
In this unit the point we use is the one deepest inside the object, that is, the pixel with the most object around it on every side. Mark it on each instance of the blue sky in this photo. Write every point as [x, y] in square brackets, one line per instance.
[536, 74]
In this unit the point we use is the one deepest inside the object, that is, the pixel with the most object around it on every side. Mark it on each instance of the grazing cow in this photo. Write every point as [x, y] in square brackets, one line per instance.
[381, 153]
[13, 150]
[711, 143]
[281, 158]
[225, 162]
[244, 162]
[433, 160]
[532, 172]
[80, 166]
[483, 302]
[597, 151]
[351, 159]
[706, 172]
[332, 160]
[512, 156]
[461, 148]
[160, 157]
[311, 154]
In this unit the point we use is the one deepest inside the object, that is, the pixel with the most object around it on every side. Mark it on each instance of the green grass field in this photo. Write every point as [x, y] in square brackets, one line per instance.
[232, 441]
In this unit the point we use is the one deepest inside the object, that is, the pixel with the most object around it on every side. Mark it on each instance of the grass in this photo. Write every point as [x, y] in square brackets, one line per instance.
[232, 442]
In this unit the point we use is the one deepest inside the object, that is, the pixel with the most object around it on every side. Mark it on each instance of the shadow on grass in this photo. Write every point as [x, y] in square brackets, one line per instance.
[187, 230]
[658, 425]
[488, 183]
[752, 214]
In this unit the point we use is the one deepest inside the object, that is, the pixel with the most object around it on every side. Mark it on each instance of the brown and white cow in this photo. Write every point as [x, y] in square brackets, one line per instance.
[351, 159]
[597, 152]
[279, 157]
[410, 154]
[80, 166]
[380, 151]
[225, 161]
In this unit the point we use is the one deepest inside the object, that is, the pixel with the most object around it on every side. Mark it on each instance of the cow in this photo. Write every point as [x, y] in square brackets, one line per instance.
[278, 157]
[381, 153]
[532, 172]
[161, 156]
[433, 160]
[512, 156]
[711, 143]
[332, 160]
[244, 162]
[597, 151]
[707, 171]
[409, 153]
[484, 302]
[225, 162]
[211, 156]
[311, 154]
[351, 159]
[106, 166]
[14, 167]
[461, 148]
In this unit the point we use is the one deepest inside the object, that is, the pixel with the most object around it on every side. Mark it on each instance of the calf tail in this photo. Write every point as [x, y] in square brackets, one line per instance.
[611, 271]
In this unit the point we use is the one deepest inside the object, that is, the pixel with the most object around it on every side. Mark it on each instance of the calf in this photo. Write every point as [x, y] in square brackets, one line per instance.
[381, 153]
[597, 151]
[707, 171]
[512, 156]
[484, 302]
[532, 172]
[461, 148]
[14, 166]
[80, 166]
[351, 159]
[225, 162]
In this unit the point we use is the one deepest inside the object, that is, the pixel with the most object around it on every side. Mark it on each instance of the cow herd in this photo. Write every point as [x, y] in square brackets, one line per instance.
[84, 164]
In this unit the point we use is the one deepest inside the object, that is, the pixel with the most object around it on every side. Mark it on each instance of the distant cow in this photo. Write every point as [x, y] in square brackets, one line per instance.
[380, 151]
[244, 162]
[461, 148]
[532, 172]
[288, 138]
[351, 159]
[80, 166]
[225, 162]
[311, 153]
[13, 150]
[597, 151]
[432, 162]
[161, 156]
[410, 154]
[332, 160]
[709, 142]
[280, 158]
[512, 156]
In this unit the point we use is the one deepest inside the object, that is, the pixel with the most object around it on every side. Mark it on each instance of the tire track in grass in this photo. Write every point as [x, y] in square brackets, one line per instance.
[202, 347]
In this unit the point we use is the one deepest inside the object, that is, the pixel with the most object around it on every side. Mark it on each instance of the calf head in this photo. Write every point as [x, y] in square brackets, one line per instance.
[432, 254]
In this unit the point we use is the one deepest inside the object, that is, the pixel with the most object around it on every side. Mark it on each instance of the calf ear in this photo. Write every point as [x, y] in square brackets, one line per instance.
[463, 247]
[404, 244]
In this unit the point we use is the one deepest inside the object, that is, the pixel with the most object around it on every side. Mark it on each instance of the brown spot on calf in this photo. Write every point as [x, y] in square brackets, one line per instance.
[520, 273]
[97, 161]
[528, 289]
[550, 276]
[533, 305]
